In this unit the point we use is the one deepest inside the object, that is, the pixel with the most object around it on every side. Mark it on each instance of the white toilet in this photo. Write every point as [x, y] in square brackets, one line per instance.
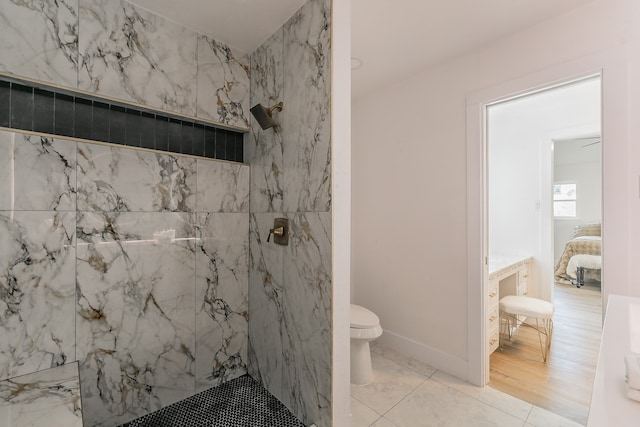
[365, 327]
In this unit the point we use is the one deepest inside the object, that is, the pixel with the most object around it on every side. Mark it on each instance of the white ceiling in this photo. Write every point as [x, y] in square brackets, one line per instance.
[394, 39]
[242, 24]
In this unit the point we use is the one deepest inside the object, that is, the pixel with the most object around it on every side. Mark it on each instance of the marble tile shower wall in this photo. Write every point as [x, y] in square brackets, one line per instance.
[290, 286]
[133, 263]
[112, 48]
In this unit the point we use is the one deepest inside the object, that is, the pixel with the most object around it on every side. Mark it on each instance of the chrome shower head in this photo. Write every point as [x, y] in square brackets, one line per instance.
[263, 115]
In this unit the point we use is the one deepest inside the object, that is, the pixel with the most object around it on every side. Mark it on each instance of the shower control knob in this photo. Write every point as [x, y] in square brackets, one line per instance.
[280, 231]
[276, 232]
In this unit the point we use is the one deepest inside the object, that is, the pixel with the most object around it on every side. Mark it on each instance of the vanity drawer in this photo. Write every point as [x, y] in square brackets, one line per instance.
[523, 280]
[494, 318]
[493, 294]
[494, 340]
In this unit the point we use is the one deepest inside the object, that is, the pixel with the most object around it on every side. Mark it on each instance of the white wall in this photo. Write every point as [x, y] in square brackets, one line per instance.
[409, 165]
[633, 163]
[518, 146]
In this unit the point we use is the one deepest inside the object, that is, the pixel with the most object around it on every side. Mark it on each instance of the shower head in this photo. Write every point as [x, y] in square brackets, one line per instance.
[263, 115]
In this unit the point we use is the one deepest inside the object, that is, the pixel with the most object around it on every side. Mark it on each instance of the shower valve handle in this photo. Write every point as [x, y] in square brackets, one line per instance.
[276, 232]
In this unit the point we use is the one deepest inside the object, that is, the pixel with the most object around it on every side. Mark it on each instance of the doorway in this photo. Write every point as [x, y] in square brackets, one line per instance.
[543, 181]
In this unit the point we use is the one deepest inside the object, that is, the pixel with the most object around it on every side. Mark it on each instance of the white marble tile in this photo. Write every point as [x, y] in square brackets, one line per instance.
[114, 179]
[307, 316]
[49, 398]
[37, 289]
[506, 403]
[222, 287]
[542, 418]
[307, 130]
[222, 187]
[392, 382]
[37, 173]
[264, 148]
[434, 404]
[132, 255]
[290, 172]
[223, 83]
[290, 287]
[40, 40]
[135, 313]
[266, 282]
[362, 415]
[391, 354]
[128, 53]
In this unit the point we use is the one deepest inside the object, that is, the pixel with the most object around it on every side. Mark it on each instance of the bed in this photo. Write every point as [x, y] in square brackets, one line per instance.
[583, 251]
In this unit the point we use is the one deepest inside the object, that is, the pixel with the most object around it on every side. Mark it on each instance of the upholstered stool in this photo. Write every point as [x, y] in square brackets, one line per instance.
[512, 306]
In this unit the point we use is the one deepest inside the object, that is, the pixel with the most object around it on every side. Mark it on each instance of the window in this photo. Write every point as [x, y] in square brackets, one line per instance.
[564, 200]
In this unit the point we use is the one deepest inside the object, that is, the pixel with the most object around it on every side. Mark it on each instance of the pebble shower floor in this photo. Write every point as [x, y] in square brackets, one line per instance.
[241, 402]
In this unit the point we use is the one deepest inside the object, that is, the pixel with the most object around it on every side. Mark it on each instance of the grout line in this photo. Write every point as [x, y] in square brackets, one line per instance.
[377, 413]
[528, 415]
[497, 408]
[378, 419]
[400, 401]
[407, 395]
[426, 378]
[407, 366]
[487, 403]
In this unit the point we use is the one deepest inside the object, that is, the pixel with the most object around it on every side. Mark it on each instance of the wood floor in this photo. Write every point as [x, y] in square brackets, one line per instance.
[563, 385]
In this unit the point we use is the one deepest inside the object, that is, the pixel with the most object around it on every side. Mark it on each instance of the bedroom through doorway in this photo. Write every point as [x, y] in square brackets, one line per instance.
[544, 215]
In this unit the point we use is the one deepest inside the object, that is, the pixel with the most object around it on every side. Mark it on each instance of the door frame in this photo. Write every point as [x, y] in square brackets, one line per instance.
[611, 66]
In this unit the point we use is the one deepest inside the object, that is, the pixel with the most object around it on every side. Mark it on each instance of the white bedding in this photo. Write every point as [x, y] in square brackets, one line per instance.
[583, 245]
[593, 262]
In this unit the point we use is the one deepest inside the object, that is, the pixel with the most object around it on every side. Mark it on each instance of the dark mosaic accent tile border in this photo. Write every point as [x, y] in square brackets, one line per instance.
[40, 108]
[241, 402]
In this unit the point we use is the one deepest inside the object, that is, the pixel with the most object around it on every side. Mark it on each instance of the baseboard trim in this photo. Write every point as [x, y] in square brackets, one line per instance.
[438, 359]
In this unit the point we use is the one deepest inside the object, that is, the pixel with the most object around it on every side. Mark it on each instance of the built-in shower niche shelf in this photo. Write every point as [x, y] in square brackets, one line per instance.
[48, 398]
[37, 107]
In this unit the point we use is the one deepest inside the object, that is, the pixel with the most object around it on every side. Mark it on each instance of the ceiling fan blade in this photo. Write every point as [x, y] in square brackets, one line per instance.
[586, 137]
[593, 143]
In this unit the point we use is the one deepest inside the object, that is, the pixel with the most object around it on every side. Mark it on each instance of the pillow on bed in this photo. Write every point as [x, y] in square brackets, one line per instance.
[587, 230]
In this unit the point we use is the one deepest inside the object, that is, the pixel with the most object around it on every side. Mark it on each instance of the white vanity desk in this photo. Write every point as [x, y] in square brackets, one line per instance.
[508, 275]
[610, 406]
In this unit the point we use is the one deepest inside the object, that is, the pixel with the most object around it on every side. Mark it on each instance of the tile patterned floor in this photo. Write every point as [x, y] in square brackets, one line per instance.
[240, 402]
[407, 393]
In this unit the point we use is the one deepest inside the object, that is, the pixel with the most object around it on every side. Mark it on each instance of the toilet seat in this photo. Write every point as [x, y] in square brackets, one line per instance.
[367, 334]
[362, 318]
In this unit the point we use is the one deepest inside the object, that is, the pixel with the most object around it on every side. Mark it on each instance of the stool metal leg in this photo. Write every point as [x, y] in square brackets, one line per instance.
[548, 332]
[543, 349]
[505, 328]
[543, 327]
